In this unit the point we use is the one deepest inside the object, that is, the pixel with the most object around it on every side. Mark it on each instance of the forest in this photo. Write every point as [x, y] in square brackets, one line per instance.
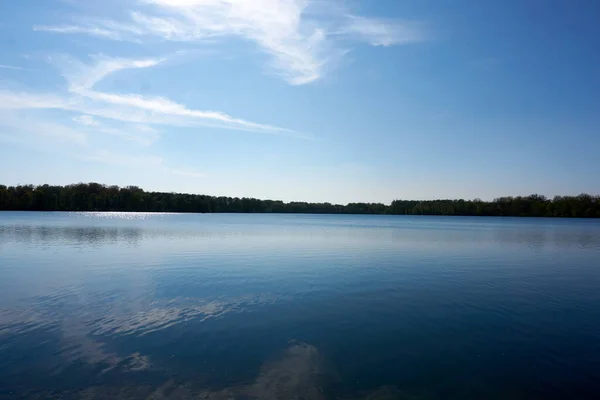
[98, 197]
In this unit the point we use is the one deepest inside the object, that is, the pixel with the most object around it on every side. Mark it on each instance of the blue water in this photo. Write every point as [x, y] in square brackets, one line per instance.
[230, 306]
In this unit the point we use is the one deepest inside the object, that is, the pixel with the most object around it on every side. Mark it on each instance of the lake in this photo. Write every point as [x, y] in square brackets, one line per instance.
[265, 306]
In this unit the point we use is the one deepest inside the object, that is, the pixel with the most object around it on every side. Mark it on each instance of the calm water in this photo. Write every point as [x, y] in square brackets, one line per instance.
[164, 306]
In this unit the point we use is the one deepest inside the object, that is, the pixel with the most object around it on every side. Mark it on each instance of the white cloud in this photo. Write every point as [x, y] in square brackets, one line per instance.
[298, 48]
[297, 34]
[83, 98]
[140, 134]
[104, 33]
[145, 129]
[379, 32]
[21, 100]
[32, 130]
[3, 66]
[86, 120]
[136, 109]
[82, 77]
[106, 29]
[161, 105]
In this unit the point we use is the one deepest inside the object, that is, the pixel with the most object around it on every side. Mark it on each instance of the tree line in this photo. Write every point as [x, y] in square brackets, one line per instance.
[98, 197]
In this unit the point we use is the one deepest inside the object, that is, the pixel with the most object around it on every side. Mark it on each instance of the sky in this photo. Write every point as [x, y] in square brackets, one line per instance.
[308, 100]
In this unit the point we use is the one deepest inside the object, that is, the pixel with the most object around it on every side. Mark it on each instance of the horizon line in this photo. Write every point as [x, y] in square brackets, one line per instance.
[532, 196]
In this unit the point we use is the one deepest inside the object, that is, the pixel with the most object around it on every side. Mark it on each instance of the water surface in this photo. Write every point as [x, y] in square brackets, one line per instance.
[175, 306]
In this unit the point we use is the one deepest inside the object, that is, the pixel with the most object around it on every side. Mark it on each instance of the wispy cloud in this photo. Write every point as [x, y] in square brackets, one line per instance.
[86, 120]
[164, 106]
[82, 97]
[381, 32]
[94, 31]
[13, 100]
[299, 35]
[137, 109]
[32, 130]
[3, 66]
[127, 116]
[301, 38]
[82, 77]
[139, 134]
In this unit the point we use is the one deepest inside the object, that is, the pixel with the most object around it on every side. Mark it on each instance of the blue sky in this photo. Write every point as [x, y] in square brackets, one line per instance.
[310, 100]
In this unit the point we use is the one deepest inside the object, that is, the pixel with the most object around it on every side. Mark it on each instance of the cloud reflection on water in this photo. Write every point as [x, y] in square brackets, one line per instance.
[81, 331]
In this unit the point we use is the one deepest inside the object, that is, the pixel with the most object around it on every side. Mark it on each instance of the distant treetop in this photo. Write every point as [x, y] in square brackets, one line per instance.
[98, 197]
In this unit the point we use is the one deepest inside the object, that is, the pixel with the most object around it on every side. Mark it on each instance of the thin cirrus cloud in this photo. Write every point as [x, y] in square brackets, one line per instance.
[139, 134]
[105, 33]
[301, 36]
[379, 32]
[81, 79]
[86, 120]
[4, 66]
[136, 115]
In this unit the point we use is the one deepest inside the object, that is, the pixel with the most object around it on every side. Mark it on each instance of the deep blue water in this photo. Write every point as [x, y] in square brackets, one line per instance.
[172, 306]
